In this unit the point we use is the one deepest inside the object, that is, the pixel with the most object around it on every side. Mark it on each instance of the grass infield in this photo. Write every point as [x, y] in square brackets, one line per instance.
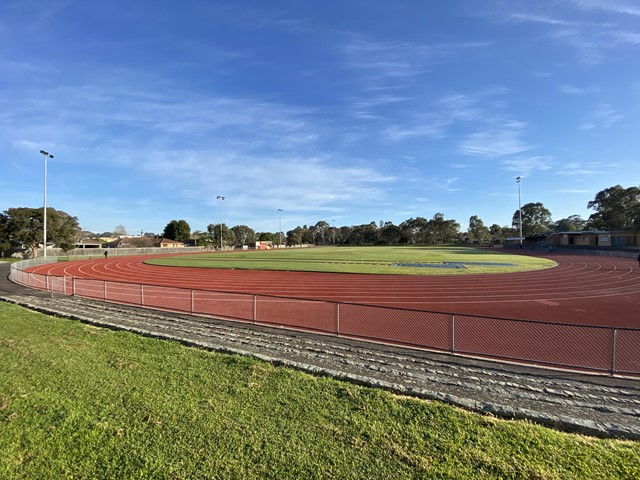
[83, 402]
[378, 260]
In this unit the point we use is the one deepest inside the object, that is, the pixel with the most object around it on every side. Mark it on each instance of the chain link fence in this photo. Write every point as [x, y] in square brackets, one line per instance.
[592, 348]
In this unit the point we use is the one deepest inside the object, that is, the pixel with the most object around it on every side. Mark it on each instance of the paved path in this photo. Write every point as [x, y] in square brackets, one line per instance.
[589, 404]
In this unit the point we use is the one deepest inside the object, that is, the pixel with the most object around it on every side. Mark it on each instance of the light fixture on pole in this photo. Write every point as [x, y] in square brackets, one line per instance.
[221, 198]
[333, 230]
[518, 178]
[280, 228]
[45, 155]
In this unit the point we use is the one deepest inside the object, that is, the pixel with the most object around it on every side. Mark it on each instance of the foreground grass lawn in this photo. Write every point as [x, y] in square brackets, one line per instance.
[83, 402]
[378, 260]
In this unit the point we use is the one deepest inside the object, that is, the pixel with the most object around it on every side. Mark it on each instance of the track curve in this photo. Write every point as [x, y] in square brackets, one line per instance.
[581, 289]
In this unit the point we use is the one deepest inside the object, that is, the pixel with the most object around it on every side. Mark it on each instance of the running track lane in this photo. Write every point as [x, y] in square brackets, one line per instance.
[586, 290]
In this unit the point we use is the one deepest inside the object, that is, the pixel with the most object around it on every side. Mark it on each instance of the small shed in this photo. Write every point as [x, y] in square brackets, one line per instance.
[263, 245]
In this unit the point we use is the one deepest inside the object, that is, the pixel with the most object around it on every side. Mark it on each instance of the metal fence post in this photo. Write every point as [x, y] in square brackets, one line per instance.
[453, 333]
[104, 290]
[613, 350]
[337, 318]
[142, 294]
[255, 309]
[192, 300]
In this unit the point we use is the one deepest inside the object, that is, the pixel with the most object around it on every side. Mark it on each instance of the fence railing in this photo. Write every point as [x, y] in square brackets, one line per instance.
[592, 348]
[97, 252]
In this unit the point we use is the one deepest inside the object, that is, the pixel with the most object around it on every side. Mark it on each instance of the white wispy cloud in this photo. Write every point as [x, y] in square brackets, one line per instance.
[571, 191]
[628, 7]
[625, 37]
[315, 183]
[573, 90]
[604, 116]
[528, 17]
[370, 107]
[432, 128]
[592, 41]
[261, 153]
[585, 169]
[554, 21]
[526, 165]
[451, 110]
[448, 183]
[383, 61]
[494, 143]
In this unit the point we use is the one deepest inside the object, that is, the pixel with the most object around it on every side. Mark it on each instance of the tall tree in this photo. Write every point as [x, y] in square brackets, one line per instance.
[228, 237]
[477, 232]
[319, 233]
[500, 234]
[23, 228]
[616, 208]
[269, 237]
[370, 233]
[294, 237]
[390, 234]
[119, 231]
[536, 219]
[177, 230]
[243, 234]
[415, 230]
[441, 230]
[570, 224]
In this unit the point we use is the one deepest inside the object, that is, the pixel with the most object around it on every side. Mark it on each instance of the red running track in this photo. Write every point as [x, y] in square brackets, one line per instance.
[587, 290]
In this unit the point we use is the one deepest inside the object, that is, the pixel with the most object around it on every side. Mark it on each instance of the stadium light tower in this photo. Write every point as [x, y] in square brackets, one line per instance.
[280, 228]
[333, 230]
[518, 178]
[221, 198]
[45, 155]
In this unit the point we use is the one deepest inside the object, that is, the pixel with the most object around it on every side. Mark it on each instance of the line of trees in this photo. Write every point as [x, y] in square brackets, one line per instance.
[437, 230]
[616, 208]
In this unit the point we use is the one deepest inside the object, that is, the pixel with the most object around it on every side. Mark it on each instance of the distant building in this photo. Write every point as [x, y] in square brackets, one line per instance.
[595, 238]
[262, 245]
[88, 243]
[118, 243]
[130, 242]
[167, 243]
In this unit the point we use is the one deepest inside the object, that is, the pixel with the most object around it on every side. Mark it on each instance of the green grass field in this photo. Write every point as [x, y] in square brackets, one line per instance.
[83, 402]
[363, 260]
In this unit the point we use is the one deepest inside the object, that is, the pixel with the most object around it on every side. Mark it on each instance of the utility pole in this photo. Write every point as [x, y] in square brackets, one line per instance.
[221, 198]
[45, 155]
[280, 228]
[518, 178]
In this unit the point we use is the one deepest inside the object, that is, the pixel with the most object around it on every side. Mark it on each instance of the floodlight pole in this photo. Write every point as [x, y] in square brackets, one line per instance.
[221, 198]
[45, 155]
[333, 230]
[280, 228]
[518, 178]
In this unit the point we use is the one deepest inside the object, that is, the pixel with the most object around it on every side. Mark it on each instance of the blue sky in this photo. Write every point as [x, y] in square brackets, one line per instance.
[345, 111]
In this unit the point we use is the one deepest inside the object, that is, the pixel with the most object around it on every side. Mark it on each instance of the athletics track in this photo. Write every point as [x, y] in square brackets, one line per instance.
[581, 289]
